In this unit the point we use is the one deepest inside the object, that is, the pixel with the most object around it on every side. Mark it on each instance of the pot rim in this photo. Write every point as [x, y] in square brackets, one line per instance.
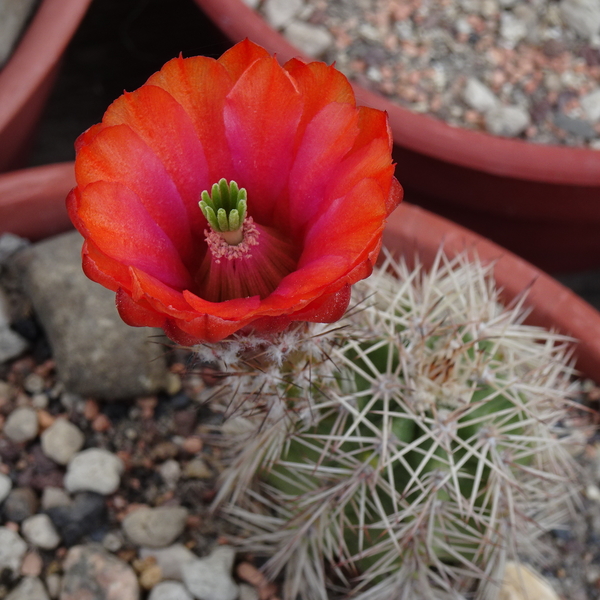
[41, 192]
[504, 157]
[37, 53]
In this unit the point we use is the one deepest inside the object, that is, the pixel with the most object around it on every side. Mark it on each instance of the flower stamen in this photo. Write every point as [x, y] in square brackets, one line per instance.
[225, 210]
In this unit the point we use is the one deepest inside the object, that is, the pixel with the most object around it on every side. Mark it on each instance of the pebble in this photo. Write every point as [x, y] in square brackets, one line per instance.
[32, 564]
[507, 121]
[53, 497]
[310, 39]
[91, 573]
[170, 471]
[53, 584]
[209, 578]
[479, 96]
[150, 576]
[155, 527]
[248, 592]
[39, 531]
[12, 549]
[94, 470]
[169, 590]
[21, 502]
[61, 441]
[591, 105]
[280, 12]
[11, 344]
[197, 469]
[170, 559]
[29, 588]
[522, 583]
[22, 425]
[10, 244]
[575, 126]
[583, 16]
[5, 486]
[113, 541]
[85, 515]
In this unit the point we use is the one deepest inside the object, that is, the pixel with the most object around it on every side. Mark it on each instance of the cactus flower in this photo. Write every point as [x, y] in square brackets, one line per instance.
[233, 194]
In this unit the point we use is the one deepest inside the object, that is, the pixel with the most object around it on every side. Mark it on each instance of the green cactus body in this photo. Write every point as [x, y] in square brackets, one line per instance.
[417, 450]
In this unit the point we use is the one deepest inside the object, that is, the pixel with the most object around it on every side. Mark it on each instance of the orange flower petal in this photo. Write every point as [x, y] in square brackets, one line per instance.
[199, 85]
[162, 123]
[262, 112]
[112, 213]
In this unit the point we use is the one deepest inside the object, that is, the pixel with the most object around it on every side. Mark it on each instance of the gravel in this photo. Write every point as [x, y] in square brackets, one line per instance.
[528, 70]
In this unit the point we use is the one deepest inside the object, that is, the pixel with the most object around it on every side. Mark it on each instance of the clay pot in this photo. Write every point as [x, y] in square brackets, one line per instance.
[32, 201]
[26, 80]
[32, 204]
[542, 202]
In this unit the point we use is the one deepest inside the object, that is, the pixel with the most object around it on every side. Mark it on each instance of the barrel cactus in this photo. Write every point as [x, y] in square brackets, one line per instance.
[406, 452]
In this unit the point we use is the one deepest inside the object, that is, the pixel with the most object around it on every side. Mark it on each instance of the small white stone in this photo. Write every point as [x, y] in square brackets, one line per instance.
[209, 578]
[478, 96]
[248, 592]
[310, 39]
[582, 16]
[39, 531]
[94, 470]
[12, 549]
[5, 486]
[591, 105]
[22, 425]
[507, 121]
[593, 492]
[170, 559]
[169, 590]
[155, 527]
[522, 583]
[280, 12]
[29, 588]
[53, 583]
[252, 3]
[53, 497]
[61, 441]
[512, 29]
[170, 471]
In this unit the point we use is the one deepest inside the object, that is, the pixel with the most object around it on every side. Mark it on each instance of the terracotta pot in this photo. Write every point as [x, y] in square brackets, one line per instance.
[32, 201]
[542, 202]
[27, 78]
[32, 204]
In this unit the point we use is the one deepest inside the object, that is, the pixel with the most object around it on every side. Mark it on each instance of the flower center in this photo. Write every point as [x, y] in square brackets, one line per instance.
[243, 258]
[225, 210]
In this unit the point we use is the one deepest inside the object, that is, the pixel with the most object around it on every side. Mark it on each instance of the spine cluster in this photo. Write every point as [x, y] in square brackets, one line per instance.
[406, 452]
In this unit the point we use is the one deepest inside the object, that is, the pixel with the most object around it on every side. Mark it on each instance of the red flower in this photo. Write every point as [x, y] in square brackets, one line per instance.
[319, 180]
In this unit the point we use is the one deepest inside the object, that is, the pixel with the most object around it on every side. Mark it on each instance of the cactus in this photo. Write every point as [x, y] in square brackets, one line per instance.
[406, 452]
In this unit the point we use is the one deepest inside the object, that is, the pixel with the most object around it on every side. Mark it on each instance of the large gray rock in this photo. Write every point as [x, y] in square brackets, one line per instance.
[96, 353]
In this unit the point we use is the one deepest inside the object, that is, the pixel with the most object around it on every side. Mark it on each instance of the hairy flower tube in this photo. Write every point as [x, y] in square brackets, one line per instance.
[233, 194]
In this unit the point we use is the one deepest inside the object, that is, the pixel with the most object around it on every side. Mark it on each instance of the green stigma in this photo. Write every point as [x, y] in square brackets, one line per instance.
[225, 210]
